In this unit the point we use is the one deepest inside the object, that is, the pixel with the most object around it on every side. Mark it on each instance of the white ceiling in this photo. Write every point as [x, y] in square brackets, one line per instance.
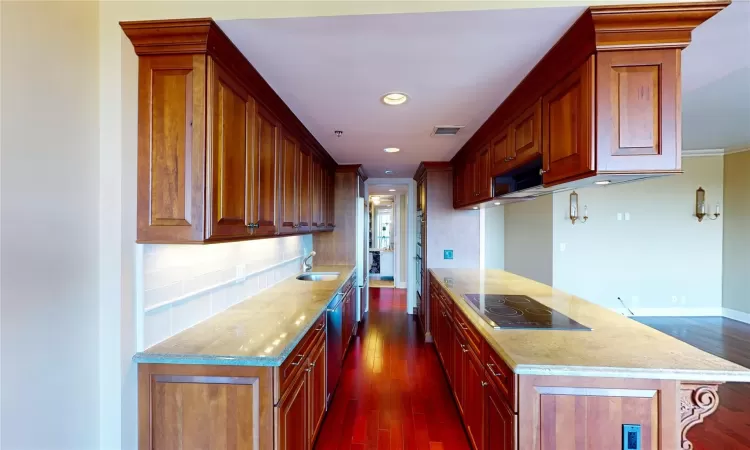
[457, 68]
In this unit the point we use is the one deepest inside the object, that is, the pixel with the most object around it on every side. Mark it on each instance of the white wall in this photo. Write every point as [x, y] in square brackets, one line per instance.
[402, 234]
[528, 239]
[736, 282]
[660, 254]
[494, 237]
[186, 284]
[50, 220]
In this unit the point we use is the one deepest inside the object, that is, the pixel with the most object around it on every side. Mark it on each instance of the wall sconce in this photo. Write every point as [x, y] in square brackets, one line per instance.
[701, 210]
[574, 209]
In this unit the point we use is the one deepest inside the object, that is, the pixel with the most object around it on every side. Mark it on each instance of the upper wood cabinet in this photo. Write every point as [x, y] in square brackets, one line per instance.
[230, 110]
[602, 104]
[220, 156]
[483, 174]
[568, 129]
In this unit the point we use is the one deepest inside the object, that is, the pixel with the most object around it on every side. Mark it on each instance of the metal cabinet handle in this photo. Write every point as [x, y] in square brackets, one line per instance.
[301, 356]
[320, 327]
[463, 327]
[490, 366]
[476, 194]
[542, 171]
[484, 383]
[463, 347]
[444, 314]
[312, 364]
[506, 159]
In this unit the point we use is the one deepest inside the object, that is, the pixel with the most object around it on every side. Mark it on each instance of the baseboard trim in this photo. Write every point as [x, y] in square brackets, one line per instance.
[673, 312]
[402, 285]
[737, 315]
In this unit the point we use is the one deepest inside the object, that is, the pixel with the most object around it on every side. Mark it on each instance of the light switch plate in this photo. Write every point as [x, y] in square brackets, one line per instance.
[447, 254]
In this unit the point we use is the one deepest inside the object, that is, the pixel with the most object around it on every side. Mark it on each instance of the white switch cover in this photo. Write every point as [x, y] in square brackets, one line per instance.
[563, 246]
[627, 216]
[619, 216]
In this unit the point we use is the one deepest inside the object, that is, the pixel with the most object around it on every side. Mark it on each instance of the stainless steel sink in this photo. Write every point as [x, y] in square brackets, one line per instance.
[318, 276]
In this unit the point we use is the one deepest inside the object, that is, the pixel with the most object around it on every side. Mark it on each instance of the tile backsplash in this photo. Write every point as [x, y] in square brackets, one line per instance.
[186, 284]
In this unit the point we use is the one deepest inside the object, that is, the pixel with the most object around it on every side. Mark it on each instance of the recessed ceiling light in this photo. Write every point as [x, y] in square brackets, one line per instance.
[497, 203]
[476, 207]
[389, 172]
[391, 190]
[602, 182]
[394, 98]
[391, 149]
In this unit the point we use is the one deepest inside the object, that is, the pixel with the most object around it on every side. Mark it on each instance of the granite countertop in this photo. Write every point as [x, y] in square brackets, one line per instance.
[260, 331]
[616, 346]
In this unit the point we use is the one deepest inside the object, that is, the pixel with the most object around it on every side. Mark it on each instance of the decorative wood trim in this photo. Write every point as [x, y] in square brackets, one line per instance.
[432, 166]
[697, 401]
[203, 36]
[650, 26]
[356, 168]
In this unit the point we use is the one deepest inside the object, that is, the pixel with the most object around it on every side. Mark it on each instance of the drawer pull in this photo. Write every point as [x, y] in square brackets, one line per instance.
[301, 356]
[463, 347]
[490, 366]
[463, 326]
[484, 383]
[322, 325]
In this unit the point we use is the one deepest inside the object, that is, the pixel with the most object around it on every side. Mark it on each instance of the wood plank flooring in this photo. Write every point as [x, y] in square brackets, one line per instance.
[392, 394]
[729, 427]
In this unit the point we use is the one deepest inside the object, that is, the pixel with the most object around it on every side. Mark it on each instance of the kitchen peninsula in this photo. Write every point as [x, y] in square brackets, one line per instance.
[528, 387]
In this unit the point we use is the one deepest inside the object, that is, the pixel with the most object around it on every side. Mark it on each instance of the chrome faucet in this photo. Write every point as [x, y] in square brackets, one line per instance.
[305, 266]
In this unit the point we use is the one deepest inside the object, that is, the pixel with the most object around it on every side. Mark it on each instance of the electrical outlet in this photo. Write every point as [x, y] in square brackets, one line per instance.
[447, 254]
[619, 216]
[563, 246]
[674, 299]
[631, 437]
[627, 216]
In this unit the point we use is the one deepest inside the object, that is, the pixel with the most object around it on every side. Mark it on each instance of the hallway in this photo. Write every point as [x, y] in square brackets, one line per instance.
[392, 394]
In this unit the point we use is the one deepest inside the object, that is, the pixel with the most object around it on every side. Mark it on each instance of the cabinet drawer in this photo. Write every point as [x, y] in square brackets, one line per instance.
[471, 333]
[296, 359]
[500, 375]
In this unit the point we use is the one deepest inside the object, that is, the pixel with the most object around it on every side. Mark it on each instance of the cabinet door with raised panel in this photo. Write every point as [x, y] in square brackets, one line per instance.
[317, 380]
[290, 157]
[330, 199]
[263, 177]
[499, 426]
[526, 135]
[446, 330]
[304, 190]
[458, 350]
[171, 158]
[315, 193]
[474, 386]
[228, 152]
[500, 151]
[568, 127]
[483, 176]
[293, 428]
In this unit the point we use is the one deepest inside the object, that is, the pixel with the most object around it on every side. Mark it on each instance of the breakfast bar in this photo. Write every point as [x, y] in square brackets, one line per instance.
[531, 366]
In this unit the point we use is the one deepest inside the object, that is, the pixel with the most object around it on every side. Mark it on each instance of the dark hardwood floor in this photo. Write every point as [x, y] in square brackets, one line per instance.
[729, 427]
[392, 393]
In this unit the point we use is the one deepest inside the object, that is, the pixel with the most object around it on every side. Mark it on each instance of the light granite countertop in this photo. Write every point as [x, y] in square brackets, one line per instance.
[260, 331]
[616, 346]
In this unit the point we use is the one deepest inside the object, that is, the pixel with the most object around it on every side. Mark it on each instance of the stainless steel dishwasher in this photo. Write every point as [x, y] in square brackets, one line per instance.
[334, 343]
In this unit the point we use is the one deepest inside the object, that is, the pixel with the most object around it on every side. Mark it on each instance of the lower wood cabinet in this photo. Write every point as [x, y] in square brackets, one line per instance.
[500, 422]
[317, 389]
[474, 387]
[292, 415]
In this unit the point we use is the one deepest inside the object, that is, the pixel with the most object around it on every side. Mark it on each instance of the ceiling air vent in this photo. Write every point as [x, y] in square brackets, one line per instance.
[447, 130]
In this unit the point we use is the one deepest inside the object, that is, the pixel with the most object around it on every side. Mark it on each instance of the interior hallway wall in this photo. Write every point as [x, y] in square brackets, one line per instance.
[736, 280]
[402, 233]
[49, 315]
[494, 237]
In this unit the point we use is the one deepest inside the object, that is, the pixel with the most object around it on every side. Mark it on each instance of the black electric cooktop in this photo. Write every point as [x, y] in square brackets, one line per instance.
[519, 312]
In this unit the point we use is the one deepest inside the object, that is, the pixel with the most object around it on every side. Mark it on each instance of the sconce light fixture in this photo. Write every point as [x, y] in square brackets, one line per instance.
[574, 209]
[701, 209]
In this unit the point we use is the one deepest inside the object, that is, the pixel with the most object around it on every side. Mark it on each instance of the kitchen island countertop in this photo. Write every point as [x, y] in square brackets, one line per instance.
[616, 346]
[259, 331]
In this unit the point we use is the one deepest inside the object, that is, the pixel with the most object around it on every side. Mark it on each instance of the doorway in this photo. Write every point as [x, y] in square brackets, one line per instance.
[391, 214]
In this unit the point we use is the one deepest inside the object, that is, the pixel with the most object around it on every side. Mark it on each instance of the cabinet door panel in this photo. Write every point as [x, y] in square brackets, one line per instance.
[317, 382]
[264, 165]
[638, 113]
[499, 427]
[315, 193]
[500, 153]
[290, 156]
[459, 369]
[304, 190]
[171, 133]
[526, 135]
[568, 126]
[330, 198]
[474, 386]
[293, 433]
[228, 154]
[483, 176]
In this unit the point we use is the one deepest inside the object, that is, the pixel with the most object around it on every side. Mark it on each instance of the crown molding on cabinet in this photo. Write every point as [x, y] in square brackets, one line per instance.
[432, 166]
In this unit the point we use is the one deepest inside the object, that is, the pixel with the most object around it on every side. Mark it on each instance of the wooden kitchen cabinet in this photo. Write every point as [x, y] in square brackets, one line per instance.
[501, 150]
[458, 352]
[330, 199]
[474, 386]
[220, 157]
[500, 422]
[525, 136]
[483, 174]
[568, 128]
[317, 382]
[316, 194]
[293, 425]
